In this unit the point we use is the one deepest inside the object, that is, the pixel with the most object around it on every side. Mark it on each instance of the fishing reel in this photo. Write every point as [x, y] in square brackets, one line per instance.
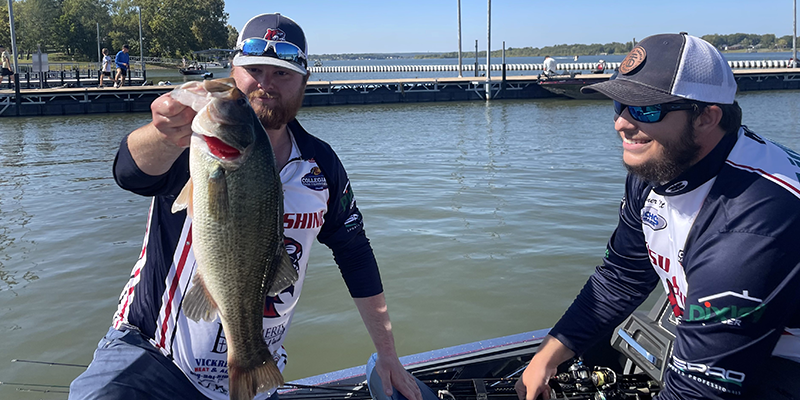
[601, 383]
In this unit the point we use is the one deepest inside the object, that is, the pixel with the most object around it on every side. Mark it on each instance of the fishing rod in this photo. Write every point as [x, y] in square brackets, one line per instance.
[287, 386]
[49, 363]
[34, 385]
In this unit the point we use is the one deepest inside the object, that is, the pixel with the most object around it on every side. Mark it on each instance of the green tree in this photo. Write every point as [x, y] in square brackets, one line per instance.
[5, 28]
[124, 26]
[767, 41]
[209, 24]
[77, 27]
[233, 36]
[35, 25]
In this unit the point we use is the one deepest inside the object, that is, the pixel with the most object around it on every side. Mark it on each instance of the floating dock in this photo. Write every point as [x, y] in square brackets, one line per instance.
[92, 100]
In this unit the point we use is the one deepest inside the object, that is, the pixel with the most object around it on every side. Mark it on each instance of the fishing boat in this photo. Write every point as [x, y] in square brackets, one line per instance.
[627, 365]
[193, 70]
[570, 85]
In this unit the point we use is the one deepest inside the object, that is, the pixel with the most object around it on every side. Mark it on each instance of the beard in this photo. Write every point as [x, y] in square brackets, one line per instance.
[675, 158]
[282, 113]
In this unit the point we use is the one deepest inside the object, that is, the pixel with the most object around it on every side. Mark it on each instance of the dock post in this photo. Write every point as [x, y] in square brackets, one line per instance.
[503, 80]
[476, 58]
[489, 50]
[459, 38]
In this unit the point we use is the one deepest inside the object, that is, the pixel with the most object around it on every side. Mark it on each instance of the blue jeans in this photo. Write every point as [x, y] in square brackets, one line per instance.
[127, 366]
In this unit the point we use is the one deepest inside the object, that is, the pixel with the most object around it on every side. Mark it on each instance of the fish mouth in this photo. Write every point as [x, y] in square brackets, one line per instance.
[220, 149]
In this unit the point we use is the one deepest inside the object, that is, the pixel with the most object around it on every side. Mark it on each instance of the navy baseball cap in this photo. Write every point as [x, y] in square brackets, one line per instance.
[275, 28]
[670, 67]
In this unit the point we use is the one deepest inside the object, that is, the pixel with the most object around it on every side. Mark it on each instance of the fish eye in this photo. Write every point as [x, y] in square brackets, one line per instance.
[241, 101]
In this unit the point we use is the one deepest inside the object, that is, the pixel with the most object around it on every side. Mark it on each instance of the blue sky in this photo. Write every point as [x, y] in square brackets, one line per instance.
[388, 26]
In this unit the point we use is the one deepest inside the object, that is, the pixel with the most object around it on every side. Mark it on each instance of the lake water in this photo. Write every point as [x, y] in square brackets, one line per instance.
[486, 219]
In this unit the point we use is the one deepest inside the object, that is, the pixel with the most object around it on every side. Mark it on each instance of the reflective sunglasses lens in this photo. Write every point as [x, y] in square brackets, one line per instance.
[254, 47]
[286, 51]
[646, 113]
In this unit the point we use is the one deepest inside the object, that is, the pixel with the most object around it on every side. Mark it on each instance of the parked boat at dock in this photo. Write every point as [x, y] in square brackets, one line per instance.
[193, 70]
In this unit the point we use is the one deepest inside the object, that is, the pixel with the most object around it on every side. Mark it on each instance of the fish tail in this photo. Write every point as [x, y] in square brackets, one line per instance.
[244, 382]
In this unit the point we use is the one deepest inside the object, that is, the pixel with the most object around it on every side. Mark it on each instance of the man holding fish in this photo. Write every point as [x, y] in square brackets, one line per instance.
[233, 217]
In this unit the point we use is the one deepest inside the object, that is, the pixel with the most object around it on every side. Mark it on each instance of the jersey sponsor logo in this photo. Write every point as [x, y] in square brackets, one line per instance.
[676, 187]
[270, 310]
[726, 313]
[314, 180]
[716, 373]
[348, 200]
[295, 251]
[352, 222]
[673, 296]
[303, 220]
[658, 260]
[220, 343]
[653, 219]
[274, 334]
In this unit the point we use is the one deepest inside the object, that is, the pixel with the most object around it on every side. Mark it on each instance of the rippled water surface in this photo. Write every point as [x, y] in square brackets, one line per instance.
[486, 219]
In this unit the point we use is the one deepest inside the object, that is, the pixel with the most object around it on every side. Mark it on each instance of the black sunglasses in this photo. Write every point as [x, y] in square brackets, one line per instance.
[653, 113]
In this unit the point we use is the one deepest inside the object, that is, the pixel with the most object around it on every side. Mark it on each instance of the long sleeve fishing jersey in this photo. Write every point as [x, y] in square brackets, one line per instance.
[318, 204]
[723, 239]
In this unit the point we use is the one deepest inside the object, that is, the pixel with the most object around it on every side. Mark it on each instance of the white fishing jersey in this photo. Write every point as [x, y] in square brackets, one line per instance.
[318, 204]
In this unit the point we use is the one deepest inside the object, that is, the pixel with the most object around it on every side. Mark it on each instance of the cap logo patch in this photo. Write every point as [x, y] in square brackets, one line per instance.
[634, 59]
[275, 34]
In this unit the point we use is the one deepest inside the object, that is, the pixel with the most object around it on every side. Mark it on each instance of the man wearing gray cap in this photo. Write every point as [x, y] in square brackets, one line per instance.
[152, 350]
[711, 210]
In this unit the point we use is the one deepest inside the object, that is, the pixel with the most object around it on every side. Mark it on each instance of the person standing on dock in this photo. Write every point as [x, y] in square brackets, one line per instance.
[6, 68]
[711, 210]
[152, 350]
[122, 59]
[106, 67]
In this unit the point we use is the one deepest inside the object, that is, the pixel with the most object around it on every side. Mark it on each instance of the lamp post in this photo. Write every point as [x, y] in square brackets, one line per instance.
[489, 50]
[141, 46]
[99, 56]
[794, 34]
[459, 38]
[14, 51]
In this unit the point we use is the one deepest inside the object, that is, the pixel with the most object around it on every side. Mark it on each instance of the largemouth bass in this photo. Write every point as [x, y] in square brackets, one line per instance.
[235, 200]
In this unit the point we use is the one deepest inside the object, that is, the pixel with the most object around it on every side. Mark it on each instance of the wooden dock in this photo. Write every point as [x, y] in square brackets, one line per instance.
[93, 100]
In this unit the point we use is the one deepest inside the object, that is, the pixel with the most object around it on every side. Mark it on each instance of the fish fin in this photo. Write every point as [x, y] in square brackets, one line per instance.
[198, 303]
[243, 384]
[184, 199]
[285, 276]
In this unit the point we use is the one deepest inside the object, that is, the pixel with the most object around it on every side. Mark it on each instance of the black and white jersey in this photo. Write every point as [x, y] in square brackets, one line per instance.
[723, 239]
[318, 204]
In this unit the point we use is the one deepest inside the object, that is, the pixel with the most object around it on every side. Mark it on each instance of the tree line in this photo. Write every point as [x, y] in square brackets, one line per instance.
[722, 42]
[170, 28]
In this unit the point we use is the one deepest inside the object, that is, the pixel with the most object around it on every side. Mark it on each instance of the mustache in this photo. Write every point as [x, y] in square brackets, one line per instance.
[262, 93]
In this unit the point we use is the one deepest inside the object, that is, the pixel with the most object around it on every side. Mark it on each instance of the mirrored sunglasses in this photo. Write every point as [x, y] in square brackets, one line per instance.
[277, 49]
[651, 114]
